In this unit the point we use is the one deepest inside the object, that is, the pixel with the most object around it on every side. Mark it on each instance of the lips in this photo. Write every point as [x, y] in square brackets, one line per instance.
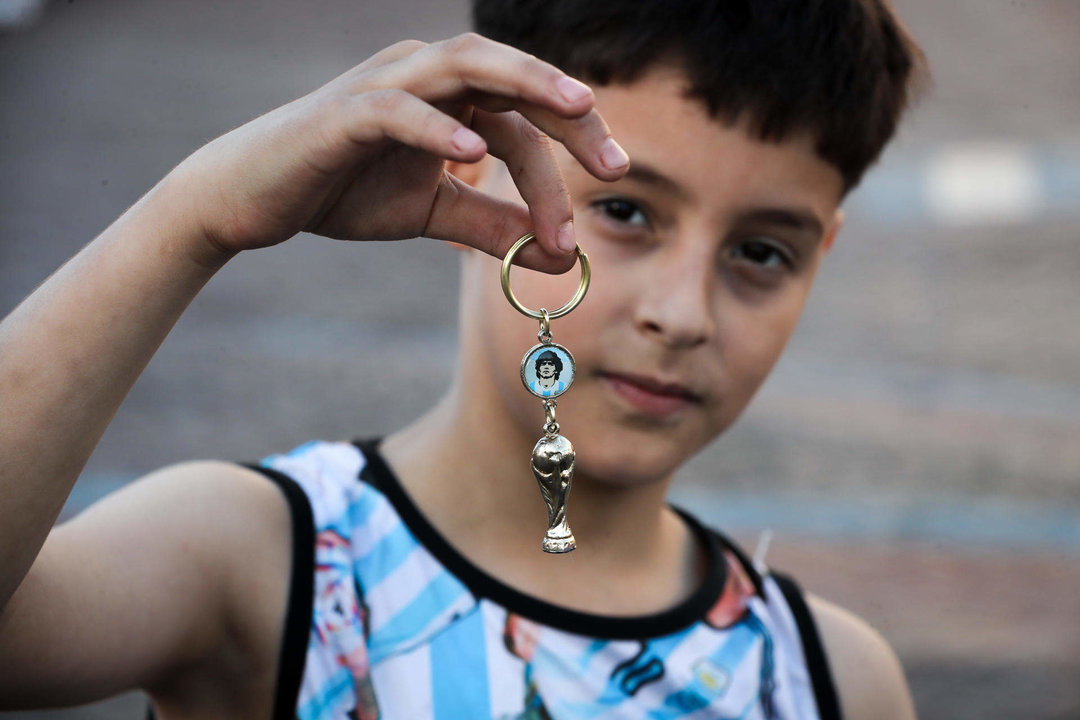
[651, 395]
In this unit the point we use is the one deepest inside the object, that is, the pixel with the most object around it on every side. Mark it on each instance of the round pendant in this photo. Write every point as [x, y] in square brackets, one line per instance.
[547, 370]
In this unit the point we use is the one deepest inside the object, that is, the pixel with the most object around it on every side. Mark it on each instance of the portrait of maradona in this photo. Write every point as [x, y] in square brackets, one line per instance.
[547, 370]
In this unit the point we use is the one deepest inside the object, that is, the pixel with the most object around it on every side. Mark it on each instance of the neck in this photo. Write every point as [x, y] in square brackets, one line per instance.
[467, 469]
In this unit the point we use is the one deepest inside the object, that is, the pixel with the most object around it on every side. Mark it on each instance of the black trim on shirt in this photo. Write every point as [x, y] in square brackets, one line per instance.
[301, 595]
[482, 585]
[825, 697]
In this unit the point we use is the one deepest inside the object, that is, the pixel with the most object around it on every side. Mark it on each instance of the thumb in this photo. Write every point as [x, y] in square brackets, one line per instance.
[463, 214]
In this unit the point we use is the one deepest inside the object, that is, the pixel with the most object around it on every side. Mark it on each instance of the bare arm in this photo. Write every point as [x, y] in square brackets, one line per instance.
[70, 353]
[176, 584]
[362, 158]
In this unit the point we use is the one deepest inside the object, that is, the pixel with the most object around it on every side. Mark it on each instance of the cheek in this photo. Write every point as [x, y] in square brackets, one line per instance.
[508, 338]
[753, 339]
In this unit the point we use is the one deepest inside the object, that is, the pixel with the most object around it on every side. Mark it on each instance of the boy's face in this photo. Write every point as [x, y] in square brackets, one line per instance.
[702, 259]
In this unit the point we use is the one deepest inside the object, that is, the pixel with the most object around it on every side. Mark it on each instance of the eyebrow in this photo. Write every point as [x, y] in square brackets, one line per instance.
[795, 218]
[648, 175]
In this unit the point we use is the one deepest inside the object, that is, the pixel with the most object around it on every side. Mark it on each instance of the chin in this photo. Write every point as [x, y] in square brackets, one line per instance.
[634, 461]
[620, 448]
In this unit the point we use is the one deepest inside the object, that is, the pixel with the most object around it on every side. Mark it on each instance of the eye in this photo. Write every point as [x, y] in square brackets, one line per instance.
[762, 254]
[622, 211]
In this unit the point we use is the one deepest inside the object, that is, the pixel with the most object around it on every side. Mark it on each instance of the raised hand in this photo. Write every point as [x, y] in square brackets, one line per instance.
[364, 157]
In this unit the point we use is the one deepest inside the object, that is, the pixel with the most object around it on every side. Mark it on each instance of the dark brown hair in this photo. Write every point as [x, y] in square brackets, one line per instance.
[842, 70]
[549, 356]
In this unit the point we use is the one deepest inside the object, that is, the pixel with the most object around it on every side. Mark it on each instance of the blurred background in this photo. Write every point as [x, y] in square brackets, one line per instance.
[916, 453]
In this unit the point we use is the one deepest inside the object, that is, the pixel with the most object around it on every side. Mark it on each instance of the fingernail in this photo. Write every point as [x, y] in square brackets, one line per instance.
[466, 140]
[571, 89]
[613, 156]
[565, 239]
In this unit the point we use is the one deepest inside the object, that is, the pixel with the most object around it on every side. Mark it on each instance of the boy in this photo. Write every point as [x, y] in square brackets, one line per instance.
[402, 579]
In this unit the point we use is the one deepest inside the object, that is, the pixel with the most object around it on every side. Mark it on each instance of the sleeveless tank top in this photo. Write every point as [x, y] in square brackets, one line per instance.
[387, 620]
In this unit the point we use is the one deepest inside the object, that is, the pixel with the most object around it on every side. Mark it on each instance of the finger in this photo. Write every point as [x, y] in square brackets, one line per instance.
[534, 169]
[498, 78]
[448, 69]
[398, 51]
[586, 137]
[390, 54]
[397, 115]
[465, 215]
[395, 52]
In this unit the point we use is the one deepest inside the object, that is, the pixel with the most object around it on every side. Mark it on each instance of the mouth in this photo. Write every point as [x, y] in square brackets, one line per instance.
[650, 395]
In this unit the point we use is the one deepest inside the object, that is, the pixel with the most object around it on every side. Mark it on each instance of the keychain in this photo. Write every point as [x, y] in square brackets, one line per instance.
[547, 371]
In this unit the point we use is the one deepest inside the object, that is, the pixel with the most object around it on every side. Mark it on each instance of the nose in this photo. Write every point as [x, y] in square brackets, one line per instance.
[675, 304]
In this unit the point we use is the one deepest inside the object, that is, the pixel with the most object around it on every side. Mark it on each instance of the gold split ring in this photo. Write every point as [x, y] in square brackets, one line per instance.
[583, 286]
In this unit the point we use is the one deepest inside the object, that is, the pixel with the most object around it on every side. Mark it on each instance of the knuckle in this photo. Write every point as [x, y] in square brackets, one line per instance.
[387, 55]
[506, 226]
[385, 102]
[407, 46]
[329, 122]
[530, 65]
[564, 192]
[322, 109]
[430, 123]
[530, 133]
[328, 104]
[463, 43]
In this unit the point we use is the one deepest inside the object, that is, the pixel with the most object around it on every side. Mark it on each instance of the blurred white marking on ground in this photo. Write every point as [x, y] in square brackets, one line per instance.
[991, 183]
[762, 549]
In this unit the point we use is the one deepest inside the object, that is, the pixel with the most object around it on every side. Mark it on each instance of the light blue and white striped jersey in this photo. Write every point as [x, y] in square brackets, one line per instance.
[386, 620]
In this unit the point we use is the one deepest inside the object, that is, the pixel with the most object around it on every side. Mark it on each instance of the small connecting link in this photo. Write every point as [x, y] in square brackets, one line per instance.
[550, 426]
[544, 335]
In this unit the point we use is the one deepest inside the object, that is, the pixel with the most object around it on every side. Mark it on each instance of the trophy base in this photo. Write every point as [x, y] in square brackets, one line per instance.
[556, 545]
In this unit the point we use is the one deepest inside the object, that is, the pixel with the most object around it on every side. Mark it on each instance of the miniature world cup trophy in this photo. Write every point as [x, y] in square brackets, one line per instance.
[553, 467]
[547, 371]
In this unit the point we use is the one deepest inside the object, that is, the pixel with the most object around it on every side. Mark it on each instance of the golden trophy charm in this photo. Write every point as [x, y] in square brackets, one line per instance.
[553, 466]
[547, 371]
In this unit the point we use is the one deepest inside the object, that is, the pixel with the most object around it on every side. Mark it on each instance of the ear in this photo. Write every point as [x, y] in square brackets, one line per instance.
[834, 228]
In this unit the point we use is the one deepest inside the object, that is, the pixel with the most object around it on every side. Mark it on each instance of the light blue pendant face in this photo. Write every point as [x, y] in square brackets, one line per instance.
[547, 370]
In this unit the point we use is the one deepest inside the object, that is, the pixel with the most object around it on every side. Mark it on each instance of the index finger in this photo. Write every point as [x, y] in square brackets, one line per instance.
[471, 64]
[448, 69]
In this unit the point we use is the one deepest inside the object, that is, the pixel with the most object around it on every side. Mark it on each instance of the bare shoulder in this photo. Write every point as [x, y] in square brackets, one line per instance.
[869, 679]
[229, 530]
[230, 502]
[167, 580]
